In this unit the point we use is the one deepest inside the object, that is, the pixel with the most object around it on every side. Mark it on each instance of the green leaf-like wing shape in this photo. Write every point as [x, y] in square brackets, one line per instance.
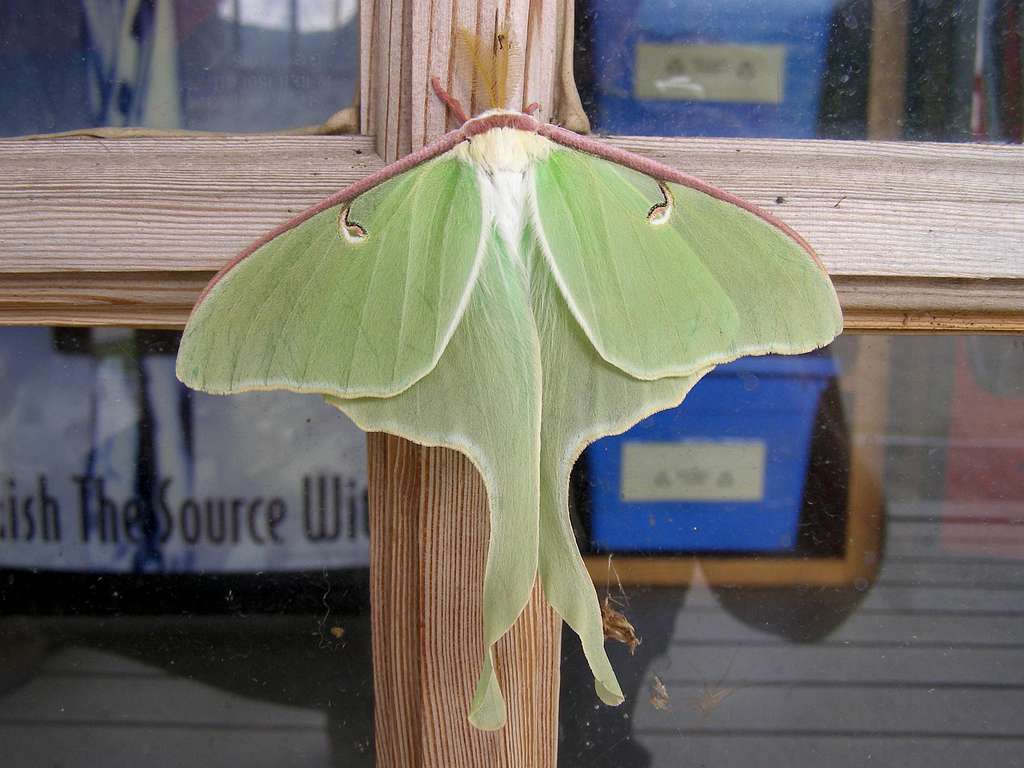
[312, 310]
[517, 362]
[707, 284]
[483, 399]
[573, 416]
[514, 304]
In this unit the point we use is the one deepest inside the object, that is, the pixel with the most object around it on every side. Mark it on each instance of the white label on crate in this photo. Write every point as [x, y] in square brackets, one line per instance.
[695, 470]
[737, 73]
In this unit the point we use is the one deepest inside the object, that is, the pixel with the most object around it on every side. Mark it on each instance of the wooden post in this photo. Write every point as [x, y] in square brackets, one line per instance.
[887, 77]
[428, 506]
[406, 42]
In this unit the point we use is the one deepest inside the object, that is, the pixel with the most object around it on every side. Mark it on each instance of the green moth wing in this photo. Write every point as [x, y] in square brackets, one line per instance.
[514, 294]
[640, 286]
[572, 418]
[359, 299]
[483, 399]
[666, 279]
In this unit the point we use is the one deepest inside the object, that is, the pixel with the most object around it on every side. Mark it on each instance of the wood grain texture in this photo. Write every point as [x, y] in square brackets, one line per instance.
[406, 42]
[428, 506]
[165, 299]
[892, 209]
[429, 534]
[870, 208]
[72, 205]
[888, 70]
[917, 236]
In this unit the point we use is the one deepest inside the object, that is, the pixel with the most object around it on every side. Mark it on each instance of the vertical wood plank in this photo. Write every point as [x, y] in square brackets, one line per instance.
[888, 74]
[429, 524]
[406, 42]
[367, 73]
[867, 390]
[394, 488]
[869, 382]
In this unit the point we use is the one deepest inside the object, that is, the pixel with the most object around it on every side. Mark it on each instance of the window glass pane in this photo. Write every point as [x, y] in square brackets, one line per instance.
[183, 578]
[844, 589]
[819, 554]
[947, 71]
[218, 65]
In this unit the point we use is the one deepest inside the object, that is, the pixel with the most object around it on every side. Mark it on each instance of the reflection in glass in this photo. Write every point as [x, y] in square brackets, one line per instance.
[183, 578]
[217, 65]
[872, 652]
[893, 607]
[946, 71]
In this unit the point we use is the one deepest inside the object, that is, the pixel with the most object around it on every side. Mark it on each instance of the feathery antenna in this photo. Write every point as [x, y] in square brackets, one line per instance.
[491, 64]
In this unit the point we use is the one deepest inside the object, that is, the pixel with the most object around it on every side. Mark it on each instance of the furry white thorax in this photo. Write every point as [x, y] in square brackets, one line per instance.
[504, 149]
[503, 158]
[505, 199]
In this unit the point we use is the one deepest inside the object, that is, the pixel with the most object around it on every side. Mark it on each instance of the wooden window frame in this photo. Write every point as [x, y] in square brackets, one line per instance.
[921, 237]
[918, 237]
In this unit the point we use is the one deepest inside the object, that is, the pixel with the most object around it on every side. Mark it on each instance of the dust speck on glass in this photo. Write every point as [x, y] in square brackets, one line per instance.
[821, 556]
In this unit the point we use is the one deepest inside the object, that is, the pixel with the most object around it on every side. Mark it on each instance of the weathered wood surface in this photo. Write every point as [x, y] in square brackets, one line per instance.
[429, 544]
[887, 71]
[405, 43]
[429, 525]
[917, 236]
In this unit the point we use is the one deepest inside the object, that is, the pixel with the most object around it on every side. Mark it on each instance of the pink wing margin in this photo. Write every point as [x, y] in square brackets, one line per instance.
[666, 173]
[422, 155]
[525, 122]
[446, 142]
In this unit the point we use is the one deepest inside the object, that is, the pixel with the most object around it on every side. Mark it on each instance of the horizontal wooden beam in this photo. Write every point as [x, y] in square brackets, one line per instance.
[164, 300]
[126, 232]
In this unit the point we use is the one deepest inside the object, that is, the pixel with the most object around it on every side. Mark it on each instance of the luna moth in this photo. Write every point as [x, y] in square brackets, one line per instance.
[514, 291]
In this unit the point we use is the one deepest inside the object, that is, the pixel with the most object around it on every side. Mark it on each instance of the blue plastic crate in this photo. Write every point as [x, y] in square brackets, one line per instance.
[724, 471]
[799, 27]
